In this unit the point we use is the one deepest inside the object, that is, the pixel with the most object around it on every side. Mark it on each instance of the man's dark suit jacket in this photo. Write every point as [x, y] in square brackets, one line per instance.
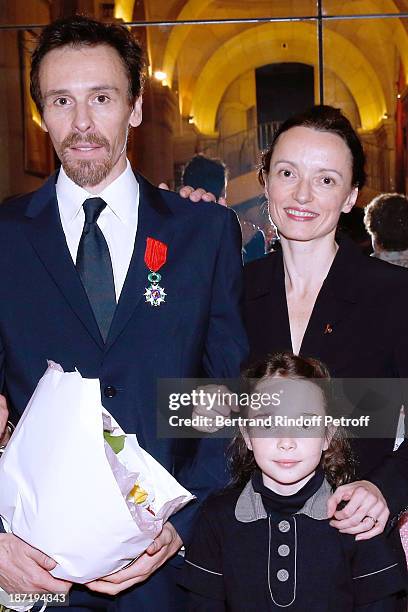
[45, 314]
[358, 328]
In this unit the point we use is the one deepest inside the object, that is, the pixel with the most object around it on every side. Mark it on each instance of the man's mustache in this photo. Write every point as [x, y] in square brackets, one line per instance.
[92, 139]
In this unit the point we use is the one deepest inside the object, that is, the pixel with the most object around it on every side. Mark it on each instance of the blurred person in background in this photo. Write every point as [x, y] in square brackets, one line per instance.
[251, 219]
[386, 220]
[210, 174]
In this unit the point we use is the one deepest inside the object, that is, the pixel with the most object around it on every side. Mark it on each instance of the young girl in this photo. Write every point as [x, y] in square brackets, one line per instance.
[266, 543]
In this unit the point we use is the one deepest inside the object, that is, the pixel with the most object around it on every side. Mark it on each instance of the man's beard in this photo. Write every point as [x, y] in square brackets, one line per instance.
[86, 171]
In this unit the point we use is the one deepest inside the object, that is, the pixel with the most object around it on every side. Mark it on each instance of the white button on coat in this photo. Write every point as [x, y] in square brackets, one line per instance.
[282, 575]
[284, 526]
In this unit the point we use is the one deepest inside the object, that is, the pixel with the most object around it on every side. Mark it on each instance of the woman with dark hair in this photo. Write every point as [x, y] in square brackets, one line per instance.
[266, 543]
[320, 296]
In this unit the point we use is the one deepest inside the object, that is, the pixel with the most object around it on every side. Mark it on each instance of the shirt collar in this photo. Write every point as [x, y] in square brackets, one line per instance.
[121, 196]
[249, 506]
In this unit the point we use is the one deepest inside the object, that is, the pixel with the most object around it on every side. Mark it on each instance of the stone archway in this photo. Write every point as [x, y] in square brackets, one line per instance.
[283, 42]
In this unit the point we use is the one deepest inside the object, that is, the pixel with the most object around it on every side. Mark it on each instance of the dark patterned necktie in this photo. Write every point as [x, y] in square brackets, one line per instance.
[95, 267]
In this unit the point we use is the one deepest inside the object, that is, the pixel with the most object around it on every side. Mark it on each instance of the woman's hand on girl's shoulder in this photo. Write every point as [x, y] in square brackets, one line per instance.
[365, 514]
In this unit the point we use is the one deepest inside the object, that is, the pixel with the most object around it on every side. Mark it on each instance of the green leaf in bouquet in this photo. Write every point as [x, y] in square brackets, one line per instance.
[115, 442]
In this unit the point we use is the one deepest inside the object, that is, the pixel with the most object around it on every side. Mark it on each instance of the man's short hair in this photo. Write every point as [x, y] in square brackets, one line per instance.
[79, 31]
[386, 218]
[210, 174]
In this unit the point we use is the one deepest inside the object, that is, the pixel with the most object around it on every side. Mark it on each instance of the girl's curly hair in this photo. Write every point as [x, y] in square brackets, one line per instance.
[337, 461]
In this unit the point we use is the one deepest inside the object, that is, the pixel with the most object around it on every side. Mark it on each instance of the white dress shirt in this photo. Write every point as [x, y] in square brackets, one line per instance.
[118, 220]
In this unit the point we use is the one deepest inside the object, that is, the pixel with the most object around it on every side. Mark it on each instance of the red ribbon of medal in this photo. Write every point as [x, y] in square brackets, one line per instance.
[155, 257]
[155, 254]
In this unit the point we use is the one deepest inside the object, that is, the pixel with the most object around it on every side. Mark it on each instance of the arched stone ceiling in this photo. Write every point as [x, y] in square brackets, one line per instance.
[193, 9]
[178, 36]
[262, 45]
[370, 33]
[388, 34]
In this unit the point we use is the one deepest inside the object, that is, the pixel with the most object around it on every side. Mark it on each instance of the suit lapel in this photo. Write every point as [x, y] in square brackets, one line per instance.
[46, 235]
[335, 302]
[277, 308]
[266, 295]
[44, 230]
[153, 221]
[265, 306]
[323, 328]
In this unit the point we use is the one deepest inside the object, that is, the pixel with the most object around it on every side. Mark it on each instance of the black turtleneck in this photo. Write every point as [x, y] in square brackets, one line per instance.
[287, 504]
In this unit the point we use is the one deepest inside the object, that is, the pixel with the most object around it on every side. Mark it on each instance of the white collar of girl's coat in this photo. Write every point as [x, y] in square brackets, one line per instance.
[249, 506]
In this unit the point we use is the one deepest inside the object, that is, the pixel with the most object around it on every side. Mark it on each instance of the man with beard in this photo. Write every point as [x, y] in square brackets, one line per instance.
[75, 260]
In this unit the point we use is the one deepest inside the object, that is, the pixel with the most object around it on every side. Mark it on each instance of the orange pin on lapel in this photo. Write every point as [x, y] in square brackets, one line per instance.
[328, 329]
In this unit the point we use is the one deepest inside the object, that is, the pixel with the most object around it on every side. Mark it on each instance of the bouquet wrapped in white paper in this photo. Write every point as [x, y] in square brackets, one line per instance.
[65, 491]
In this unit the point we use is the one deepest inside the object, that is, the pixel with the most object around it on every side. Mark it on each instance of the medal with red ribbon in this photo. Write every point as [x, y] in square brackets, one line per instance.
[155, 257]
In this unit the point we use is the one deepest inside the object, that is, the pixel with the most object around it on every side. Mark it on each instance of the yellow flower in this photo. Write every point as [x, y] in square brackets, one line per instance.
[138, 495]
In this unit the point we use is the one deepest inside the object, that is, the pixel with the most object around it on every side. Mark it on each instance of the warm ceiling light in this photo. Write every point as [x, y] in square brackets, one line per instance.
[160, 76]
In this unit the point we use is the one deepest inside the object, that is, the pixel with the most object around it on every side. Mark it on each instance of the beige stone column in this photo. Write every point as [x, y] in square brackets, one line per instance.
[151, 144]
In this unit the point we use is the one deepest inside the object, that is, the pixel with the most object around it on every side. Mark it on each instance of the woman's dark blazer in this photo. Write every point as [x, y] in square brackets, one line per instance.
[358, 328]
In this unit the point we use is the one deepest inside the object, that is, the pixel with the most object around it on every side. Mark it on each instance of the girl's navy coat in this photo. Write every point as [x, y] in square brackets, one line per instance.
[247, 557]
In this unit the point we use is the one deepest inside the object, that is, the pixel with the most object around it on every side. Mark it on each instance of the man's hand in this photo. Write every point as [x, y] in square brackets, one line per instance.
[196, 195]
[211, 410]
[24, 569]
[162, 548]
[4, 434]
[366, 512]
